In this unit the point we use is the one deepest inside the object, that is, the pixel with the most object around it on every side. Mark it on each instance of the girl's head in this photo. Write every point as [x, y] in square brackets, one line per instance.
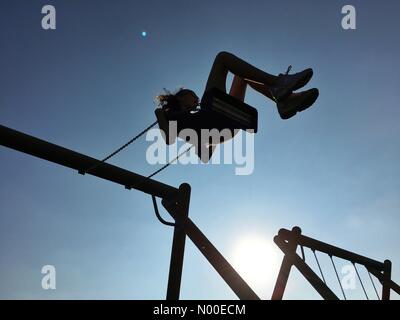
[184, 100]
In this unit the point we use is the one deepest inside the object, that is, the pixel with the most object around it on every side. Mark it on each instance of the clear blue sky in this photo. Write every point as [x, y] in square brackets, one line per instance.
[89, 86]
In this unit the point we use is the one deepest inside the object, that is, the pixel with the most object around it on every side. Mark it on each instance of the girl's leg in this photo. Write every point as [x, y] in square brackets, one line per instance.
[239, 85]
[287, 108]
[225, 62]
[238, 88]
[261, 88]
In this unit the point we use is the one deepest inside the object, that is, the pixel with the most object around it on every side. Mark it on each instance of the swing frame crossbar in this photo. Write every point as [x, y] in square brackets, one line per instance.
[289, 240]
[175, 201]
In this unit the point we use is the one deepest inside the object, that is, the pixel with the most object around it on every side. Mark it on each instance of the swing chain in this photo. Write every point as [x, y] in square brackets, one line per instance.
[118, 150]
[373, 284]
[171, 224]
[99, 163]
[337, 277]
[169, 163]
[303, 256]
[359, 278]
[319, 266]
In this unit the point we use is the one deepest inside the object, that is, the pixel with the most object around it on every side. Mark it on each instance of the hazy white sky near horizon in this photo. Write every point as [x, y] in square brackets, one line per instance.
[89, 86]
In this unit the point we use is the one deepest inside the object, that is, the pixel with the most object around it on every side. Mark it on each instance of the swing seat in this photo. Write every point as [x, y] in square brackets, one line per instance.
[239, 114]
[218, 111]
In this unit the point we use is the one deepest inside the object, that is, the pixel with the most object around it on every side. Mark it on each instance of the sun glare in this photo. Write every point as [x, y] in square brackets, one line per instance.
[256, 260]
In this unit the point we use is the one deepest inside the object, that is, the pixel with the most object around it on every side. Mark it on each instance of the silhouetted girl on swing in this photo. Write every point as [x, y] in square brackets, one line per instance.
[182, 105]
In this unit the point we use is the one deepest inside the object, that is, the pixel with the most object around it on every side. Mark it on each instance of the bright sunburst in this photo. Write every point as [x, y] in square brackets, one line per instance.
[256, 260]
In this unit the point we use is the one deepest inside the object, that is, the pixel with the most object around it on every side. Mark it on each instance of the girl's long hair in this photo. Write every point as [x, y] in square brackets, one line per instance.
[169, 100]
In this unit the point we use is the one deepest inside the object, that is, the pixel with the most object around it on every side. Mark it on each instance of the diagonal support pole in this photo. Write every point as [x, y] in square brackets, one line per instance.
[306, 271]
[216, 259]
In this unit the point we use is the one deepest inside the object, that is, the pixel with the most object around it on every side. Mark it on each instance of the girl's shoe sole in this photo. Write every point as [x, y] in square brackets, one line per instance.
[308, 102]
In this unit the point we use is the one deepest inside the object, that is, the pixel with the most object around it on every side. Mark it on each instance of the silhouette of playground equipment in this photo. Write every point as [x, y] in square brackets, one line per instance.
[176, 202]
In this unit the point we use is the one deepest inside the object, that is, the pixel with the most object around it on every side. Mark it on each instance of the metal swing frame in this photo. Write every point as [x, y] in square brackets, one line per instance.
[175, 201]
[288, 241]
